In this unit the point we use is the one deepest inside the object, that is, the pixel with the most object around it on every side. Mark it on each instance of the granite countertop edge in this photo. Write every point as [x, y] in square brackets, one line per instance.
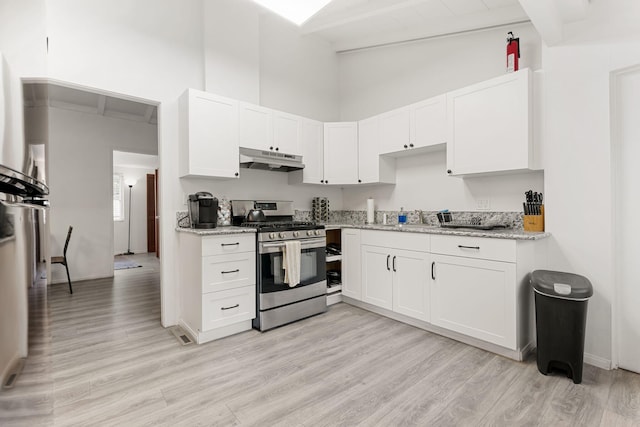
[430, 229]
[218, 231]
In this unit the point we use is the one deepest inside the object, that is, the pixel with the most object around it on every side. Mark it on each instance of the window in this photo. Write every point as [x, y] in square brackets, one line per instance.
[118, 203]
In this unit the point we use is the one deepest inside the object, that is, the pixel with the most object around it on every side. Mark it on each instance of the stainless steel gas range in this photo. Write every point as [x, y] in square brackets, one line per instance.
[277, 303]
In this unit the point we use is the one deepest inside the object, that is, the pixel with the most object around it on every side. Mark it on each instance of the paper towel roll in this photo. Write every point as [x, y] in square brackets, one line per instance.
[370, 211]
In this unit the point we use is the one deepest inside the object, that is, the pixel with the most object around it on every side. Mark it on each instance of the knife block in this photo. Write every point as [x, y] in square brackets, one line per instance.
[534, 222]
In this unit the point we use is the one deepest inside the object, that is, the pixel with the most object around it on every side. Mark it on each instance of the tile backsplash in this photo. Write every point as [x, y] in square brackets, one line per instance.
[512, 219]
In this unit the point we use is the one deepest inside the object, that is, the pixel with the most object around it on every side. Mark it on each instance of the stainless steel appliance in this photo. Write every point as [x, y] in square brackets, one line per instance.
[276, 302]
[269, 160]
[203, 210]
[22, 216]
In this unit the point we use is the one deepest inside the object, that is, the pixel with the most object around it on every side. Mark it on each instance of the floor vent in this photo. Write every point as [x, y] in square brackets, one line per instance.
[181, 335]
[13, 374]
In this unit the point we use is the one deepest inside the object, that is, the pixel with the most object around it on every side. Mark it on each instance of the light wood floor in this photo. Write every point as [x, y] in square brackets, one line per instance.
[100, 357]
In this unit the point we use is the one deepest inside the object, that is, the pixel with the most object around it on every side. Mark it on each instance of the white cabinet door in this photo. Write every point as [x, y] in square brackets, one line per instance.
[429, 122]
[256, 127]
[351, 266]
[341, 153]
[287, 133]
[476, 298]
[489, 128]
[395, 134]
[208, 135]
[376, 276]
[369, 150]
[411, 282]
[312, 153]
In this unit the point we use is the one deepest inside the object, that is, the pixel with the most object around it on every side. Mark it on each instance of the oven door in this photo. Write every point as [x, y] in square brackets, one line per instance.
[312, 265]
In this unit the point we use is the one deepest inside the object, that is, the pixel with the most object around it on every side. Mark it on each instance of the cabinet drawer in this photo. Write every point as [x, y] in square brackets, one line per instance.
[220, 272]
[475, 247]
[230, 244]
[228, 307]
[396, 240]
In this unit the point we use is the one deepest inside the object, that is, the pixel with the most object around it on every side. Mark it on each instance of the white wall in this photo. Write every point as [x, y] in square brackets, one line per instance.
[80, 181]
[138, 214]
[376, 80]
[155, 49]
[422, 183]
[578, 155]
[22, 45]
[298, 74]
[258, 184]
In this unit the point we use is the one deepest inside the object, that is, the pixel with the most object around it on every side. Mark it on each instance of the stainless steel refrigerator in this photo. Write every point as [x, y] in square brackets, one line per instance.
[23, 215]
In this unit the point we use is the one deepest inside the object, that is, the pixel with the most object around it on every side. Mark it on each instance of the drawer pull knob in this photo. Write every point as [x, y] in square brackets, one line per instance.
[469, 247]
[230, 244]
[229, 308]
[230, 271]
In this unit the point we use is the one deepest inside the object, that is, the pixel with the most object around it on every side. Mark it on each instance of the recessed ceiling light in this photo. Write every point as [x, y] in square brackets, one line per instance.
[296, 11]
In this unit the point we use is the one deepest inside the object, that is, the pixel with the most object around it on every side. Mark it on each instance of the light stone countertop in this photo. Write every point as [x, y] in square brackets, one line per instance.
[218, 231]
[500, 233]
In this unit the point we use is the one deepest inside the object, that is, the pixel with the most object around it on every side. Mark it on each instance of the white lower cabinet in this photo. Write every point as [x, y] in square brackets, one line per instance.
[411, 284]
[351, 279]
[474, 289]
[396, 279]
[475, 297]
[217, 284]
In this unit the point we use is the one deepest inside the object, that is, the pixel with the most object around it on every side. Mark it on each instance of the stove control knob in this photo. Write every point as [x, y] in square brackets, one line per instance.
[272, 235]
[317, 232]
[296, 233]
[310, 233]
[282, 235]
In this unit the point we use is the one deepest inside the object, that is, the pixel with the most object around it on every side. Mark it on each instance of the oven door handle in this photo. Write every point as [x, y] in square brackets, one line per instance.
[304, 244]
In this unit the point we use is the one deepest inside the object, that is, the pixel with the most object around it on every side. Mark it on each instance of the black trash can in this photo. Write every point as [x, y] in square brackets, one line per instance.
[561, 316]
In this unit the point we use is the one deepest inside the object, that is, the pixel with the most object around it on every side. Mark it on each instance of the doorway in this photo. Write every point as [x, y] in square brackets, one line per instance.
[134, 207]
[626, 175]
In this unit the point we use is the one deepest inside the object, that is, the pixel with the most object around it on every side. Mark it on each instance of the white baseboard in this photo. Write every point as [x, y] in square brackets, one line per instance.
[597, 361]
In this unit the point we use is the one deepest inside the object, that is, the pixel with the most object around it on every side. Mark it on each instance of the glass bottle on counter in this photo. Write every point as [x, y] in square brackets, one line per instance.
[224, 212]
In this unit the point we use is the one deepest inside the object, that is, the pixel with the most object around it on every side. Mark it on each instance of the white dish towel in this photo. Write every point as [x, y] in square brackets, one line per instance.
[291, 262]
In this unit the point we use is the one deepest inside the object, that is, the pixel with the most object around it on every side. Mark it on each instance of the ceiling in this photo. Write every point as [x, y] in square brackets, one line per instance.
[357, 24]
[52, 95]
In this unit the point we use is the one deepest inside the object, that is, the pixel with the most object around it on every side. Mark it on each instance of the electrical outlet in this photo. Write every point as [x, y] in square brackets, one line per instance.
[483, 204]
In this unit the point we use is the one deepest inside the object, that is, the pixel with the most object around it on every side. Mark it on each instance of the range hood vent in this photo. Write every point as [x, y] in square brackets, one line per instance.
[269, 160]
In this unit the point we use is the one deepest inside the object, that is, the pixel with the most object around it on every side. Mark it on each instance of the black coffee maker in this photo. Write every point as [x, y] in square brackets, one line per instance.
[203, 210]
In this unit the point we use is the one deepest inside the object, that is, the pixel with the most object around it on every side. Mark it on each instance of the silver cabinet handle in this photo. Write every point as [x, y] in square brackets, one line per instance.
[469, 247]
[229, 308]
[230, 271]
[230, 244]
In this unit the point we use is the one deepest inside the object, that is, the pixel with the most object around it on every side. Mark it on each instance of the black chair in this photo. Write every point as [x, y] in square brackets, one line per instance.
[63, 259]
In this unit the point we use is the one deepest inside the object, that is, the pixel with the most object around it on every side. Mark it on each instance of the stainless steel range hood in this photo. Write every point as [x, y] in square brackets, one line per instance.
[269, 160]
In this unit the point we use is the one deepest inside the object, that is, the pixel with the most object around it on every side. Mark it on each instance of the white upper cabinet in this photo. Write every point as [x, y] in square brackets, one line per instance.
[395, 130]
[262, 128]
[312, 154]
[418, 125]
[208, 135]
[429, 122]
[372, 168]
[287, 129]
[341, 153]
[490, 126]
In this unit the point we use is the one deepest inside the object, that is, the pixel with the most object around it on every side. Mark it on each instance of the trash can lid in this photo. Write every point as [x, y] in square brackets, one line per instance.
[561, 285]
